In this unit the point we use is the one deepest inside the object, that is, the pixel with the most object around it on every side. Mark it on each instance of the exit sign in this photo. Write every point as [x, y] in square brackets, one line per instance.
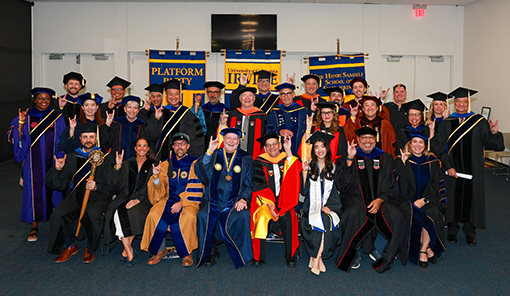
[420, 10]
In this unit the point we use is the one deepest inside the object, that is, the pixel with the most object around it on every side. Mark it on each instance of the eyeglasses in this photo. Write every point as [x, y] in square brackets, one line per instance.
[117, 89]
[180, 144]
[263, 80]
[156, 95]
[286, 94]
[272, 145]
[327, 113]
[367, 138]
[414, 114]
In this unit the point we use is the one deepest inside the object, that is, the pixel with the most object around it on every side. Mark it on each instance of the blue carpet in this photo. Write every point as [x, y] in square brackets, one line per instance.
[26, 268]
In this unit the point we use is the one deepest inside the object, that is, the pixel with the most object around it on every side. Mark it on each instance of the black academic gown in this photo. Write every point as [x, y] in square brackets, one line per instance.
[69, 144]
[64, 219]
[466, 198]
[398, 117]
[71, 108]
[171, 122]
[212, 114]
[124, 134]
[332, 234]
[370, 176]
[128, 183]
[119, 110]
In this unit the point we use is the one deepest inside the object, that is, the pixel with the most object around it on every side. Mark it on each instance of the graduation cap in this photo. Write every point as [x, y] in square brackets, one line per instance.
[118, 81]
[318, 135]
[75, 76]
[285, 85]
[88, 127]
[273, 135]
[89, 96]
[180, 136]
[131, 98]
[462, 92]
[352, 103]
[330, 90]
[155, 87]
[313, 76]
[244, 89]
[416, 105]
[358, 79]
[439, 96]
[327, 104]
[232, 130]
[37, 90]
[420, 135]
[366, 130]
[173, 84]
[263, 74]
[214, 84]
[370, 98]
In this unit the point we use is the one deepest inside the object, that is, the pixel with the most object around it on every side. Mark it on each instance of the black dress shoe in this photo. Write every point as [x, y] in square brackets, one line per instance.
[432, 259]
[212, 259]
[452, 238]
[292, 262]
[256, 263]
[471, 241]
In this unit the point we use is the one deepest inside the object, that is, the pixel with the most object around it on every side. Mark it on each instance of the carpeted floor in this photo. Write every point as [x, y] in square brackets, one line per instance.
[26, 268]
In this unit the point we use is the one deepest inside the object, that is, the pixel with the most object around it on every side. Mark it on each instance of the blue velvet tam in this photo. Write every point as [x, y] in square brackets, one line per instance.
[132, 98]
[232, 130]
[37, 90]
[418, 135]
[285, 85]
[90, 96]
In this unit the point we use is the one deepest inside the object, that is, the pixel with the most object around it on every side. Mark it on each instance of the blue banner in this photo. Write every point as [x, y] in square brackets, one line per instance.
[187, 66]
[337, 70]
[238, 62]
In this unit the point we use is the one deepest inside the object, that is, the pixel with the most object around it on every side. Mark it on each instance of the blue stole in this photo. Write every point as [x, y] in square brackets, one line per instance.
[472, 120]
[216, 108]
[84, 171]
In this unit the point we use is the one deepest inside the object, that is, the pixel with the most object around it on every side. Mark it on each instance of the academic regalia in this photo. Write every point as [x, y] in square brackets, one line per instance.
[128, 183]
[398, 116]
[64, 219]
[370, 177]
[265, 181]
[337, 146]
[384, 113]
[236, 103]
[68, 144]
[212, 115]
[71, 108]
[306, 101]
[292, 118]
[119, 109]
[386, 137]
[252, 123]
[176, 120]
[461, 146]
[270, 101]
[223, 188]
[403, 135]
[317, 225]
[125, 134]
[35, 149]
[177, 182]
[429, 184]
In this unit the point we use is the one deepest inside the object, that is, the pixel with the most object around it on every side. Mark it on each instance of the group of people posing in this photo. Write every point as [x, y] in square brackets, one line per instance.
[327, 174]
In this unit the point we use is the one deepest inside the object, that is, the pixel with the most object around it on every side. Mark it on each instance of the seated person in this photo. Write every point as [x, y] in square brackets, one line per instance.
[320, 224]
[126, 215]
[371, 204]
[275, 197]
[74, 169]
[176, 193]
[227, 175]
[429, 201]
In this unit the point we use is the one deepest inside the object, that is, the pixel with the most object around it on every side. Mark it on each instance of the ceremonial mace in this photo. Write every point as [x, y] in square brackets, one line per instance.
[96, 158]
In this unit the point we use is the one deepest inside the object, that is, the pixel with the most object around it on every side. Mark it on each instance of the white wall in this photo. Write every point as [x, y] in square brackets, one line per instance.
[128, 28]
[487, 63]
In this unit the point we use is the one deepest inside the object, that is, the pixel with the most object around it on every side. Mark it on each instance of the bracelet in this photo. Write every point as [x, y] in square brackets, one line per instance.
[351, 159]
[209, 152]
[155, 176]
[22, 122]
[116, 167]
